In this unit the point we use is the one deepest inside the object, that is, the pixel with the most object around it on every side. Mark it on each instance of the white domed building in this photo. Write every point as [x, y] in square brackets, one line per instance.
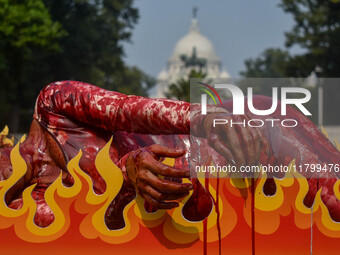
[193, 51]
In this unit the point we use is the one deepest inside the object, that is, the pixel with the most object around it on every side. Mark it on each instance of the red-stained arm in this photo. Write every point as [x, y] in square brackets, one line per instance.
[110, 111]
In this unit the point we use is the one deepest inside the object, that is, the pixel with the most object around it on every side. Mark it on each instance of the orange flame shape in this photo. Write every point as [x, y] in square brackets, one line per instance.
[60, 198]
[288, 199]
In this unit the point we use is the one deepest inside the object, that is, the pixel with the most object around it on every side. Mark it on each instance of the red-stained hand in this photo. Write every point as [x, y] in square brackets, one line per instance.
[238, 144]
[143, 170]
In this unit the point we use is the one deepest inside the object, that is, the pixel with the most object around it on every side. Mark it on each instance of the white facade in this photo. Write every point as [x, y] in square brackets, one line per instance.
[194, 43]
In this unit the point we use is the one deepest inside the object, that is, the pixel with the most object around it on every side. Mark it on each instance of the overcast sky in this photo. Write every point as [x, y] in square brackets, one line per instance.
[238, 29]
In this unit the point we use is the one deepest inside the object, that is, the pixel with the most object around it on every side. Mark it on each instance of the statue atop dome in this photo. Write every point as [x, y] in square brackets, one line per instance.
[194, 12]
[193, 61]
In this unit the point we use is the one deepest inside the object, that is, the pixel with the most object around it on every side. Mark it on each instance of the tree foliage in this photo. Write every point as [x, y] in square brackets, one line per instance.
[42, 41]
[317, 31]
[25, 27]
[93, 51]
[270, 64]
[181, 89]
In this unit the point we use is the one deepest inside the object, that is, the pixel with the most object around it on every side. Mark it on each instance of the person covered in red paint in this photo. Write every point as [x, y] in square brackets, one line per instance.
[71, 116]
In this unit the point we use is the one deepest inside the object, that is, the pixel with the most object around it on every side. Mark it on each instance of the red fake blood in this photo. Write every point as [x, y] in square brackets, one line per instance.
[205, 232]
[217, 209]
[199, 205]
[253, 215]
[205, 222]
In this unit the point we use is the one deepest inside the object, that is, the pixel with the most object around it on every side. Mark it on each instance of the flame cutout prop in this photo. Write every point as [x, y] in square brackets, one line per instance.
[5, 141]
[179, 230]
[60, 199]
[9, 215]
[22, 219]
[321, 216]
[337, 144]
[81, 198]
[93, 225]
[288, 199]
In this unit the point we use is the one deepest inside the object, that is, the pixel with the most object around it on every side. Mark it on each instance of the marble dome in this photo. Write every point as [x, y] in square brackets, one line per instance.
[192, 51]
[194, 39]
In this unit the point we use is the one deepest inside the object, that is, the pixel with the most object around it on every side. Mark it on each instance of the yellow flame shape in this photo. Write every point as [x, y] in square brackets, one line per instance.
[290, 194]
[4, 140]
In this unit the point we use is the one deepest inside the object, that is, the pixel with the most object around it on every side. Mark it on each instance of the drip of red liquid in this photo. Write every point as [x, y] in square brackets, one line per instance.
[205, 221]
[217, 209]
[253, 216]
[199, 205]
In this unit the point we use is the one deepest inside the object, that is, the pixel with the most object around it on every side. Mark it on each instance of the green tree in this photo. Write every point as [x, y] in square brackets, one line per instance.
[317, 31]
[93, 49]
[79, 40]
[270, 64]
[181, 89]
[25, 27]
[132, 81]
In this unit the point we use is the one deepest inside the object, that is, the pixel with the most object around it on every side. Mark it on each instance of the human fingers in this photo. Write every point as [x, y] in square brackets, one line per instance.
[159, 168]
[234, 144]
[159, 204]
[162, 151]
[256, 134]
[160, 196]
[264, 142]
[220, 146]
[163, 185]
[250, 141]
